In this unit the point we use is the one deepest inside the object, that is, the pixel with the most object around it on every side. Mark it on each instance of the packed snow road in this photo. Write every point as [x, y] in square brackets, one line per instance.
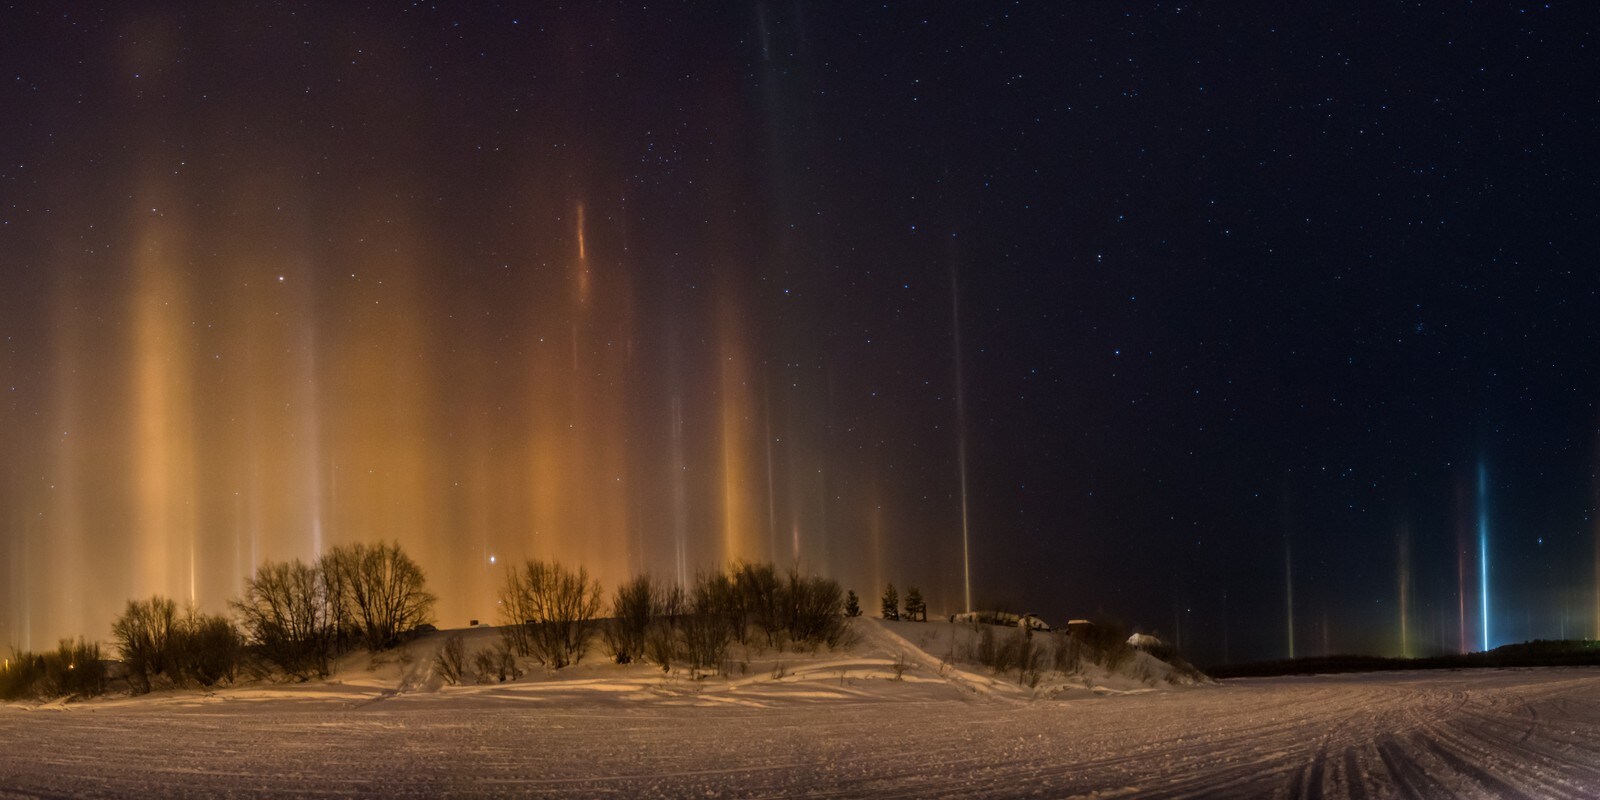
[1502, 734]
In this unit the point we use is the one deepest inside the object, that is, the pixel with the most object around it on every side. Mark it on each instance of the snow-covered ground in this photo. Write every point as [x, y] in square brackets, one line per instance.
[826, 725]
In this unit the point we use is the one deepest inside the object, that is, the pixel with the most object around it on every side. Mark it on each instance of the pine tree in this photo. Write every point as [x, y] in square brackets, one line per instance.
[852, 604]
[891, 603]
[916, 609]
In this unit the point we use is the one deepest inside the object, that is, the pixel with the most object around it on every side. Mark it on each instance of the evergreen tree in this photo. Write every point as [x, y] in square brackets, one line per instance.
[852, 604]
[916, 609]
[891, 603]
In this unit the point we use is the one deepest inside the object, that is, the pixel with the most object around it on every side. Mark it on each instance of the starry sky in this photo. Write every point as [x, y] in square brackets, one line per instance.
[1263, 328]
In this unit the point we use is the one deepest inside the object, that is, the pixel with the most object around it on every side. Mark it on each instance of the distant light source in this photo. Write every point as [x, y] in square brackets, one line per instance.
[491, 559]
[1483, 550]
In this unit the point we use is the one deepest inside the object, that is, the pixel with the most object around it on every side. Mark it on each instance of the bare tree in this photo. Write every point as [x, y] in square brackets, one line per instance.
[661, 643]
[633, 607]
[764, 598]
[378, 587]
[547, 612]
[284, 611]
[206, 648]
[145, 635]
[815, 607]
[335, 571]
[450, 662]
[706, 631]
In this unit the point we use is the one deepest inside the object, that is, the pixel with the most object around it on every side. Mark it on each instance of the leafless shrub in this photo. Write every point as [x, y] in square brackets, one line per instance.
[75, 670]
[694, 627]
[1141, 671]
[717, 594]
[19, 675]
[1067, 657]
[662, 643]
[674, 603]
[987, 651]
[451, 662]
[506, 667]
[1016, 650]
[1182, 670]
[1107, 643]
[842, 636]
[1112, 658]
[900, 665]
[547, 612]
[509, 664]
[486, 666]
[1030, 661]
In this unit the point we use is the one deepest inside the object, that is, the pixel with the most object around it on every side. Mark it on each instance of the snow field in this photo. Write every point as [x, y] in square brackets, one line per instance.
[826, 725]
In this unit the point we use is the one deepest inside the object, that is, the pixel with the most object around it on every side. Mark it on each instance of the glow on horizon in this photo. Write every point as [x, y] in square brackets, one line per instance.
[1404, 579]
[323, 409]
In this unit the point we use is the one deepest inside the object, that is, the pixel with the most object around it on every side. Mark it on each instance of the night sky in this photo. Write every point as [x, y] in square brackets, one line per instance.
[1213, 304]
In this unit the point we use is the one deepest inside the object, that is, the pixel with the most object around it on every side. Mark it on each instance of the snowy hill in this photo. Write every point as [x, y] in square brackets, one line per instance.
[882, 660]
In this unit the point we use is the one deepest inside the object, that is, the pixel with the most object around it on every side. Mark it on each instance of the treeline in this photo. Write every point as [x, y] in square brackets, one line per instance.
[916, 608]
[293, 618]
[1537, 653]
[553, 614]
[73, 669]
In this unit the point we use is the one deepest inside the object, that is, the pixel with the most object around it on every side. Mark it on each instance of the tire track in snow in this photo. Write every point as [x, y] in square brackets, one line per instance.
[1501, 789]
[1548, 772]
[1407, 776]
[1355, 787]
[1314, 780]
[1459, 743]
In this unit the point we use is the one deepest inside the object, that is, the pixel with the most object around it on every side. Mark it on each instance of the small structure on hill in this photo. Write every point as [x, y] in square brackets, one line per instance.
[1144, 641]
